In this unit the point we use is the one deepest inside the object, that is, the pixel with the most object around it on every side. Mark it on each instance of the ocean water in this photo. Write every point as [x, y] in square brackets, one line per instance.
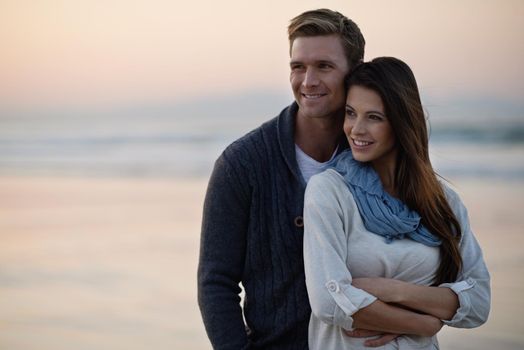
[185, 139]
[85, 267]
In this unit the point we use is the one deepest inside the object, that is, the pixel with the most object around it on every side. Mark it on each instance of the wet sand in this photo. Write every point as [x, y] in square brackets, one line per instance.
[111, 264]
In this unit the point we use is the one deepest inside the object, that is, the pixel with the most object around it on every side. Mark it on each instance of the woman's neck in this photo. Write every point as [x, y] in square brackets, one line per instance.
[386, 172]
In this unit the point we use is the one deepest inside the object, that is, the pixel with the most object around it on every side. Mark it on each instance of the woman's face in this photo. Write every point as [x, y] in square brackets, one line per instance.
[368, 129]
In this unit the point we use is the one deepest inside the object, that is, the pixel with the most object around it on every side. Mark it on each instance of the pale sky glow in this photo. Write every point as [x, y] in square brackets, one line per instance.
[80, 52]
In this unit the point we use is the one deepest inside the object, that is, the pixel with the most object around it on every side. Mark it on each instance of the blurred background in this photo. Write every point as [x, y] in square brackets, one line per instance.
[113, 112]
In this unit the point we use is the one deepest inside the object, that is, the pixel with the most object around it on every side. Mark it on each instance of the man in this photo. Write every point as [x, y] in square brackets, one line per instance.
[252, 227]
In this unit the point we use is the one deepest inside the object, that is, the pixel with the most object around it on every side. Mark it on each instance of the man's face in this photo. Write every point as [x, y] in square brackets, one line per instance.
[318, 67]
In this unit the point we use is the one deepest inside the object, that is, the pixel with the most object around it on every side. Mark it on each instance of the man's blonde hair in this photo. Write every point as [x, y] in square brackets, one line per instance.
[327, 22]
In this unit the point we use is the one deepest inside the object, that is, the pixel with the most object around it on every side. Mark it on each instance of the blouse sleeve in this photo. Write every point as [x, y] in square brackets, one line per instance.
[333, 299]
[473, 283]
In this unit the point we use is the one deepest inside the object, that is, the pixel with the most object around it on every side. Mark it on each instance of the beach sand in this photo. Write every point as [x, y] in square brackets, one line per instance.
[91, 263]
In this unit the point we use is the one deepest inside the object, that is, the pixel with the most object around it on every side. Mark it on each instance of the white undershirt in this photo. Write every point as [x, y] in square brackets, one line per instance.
[309, 166]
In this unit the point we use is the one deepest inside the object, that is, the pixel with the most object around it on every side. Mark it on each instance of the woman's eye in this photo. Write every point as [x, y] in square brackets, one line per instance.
[375, 117]
[350, 113]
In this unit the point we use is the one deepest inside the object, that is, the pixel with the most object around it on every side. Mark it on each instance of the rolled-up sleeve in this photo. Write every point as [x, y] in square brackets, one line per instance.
[333, 299]
[473, 283]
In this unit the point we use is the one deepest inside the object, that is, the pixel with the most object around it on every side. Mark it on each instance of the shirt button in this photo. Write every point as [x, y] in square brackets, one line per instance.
[299, 221]
[332, 286]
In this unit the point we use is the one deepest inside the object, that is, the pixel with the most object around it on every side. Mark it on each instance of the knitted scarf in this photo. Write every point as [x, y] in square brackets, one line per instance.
[381, 213]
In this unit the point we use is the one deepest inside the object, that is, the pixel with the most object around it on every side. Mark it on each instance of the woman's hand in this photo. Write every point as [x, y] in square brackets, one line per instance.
[382, 339]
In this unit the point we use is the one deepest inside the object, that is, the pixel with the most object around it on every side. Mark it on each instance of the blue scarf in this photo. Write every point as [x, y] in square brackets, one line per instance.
[381, 213]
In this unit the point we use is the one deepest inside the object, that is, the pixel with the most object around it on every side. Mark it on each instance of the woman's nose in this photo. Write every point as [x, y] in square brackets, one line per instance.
[358, 127]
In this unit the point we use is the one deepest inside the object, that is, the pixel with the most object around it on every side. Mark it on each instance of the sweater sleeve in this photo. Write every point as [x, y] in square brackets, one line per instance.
[333, 299]
[222, 252]
[473, 283]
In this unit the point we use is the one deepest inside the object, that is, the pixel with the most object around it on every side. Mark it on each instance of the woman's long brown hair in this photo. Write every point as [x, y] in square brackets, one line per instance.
[415, 180]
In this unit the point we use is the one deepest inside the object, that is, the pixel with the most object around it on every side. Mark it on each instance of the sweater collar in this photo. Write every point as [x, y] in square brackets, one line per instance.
[286, 138]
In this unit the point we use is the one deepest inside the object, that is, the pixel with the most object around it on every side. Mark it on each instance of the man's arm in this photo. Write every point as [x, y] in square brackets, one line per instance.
[222, 252]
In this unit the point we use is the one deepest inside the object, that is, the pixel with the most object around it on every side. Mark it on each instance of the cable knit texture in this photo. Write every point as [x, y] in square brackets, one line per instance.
[252, 233]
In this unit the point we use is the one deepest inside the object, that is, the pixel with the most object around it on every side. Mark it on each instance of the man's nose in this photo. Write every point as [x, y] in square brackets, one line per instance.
[310, 78]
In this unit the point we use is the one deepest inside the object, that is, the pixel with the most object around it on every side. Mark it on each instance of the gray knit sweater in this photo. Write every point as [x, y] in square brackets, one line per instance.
[252, 233]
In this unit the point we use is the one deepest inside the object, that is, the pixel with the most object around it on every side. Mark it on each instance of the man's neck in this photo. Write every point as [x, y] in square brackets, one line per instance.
[318, 137]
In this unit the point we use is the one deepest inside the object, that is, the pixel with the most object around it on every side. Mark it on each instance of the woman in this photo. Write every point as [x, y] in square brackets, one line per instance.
[387, 246]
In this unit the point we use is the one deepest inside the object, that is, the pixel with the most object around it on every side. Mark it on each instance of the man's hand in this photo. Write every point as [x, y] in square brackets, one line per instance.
[383, 338]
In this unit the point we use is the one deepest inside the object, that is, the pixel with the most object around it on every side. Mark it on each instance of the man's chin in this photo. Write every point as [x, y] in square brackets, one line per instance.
[315, 113]
[310, 111]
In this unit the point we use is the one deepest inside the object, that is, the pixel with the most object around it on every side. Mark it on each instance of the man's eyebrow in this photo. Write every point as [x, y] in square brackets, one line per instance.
[327, 62]
[323, 61]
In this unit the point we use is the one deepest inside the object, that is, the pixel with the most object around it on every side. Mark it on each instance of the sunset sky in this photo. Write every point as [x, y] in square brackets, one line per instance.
[113, 52]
